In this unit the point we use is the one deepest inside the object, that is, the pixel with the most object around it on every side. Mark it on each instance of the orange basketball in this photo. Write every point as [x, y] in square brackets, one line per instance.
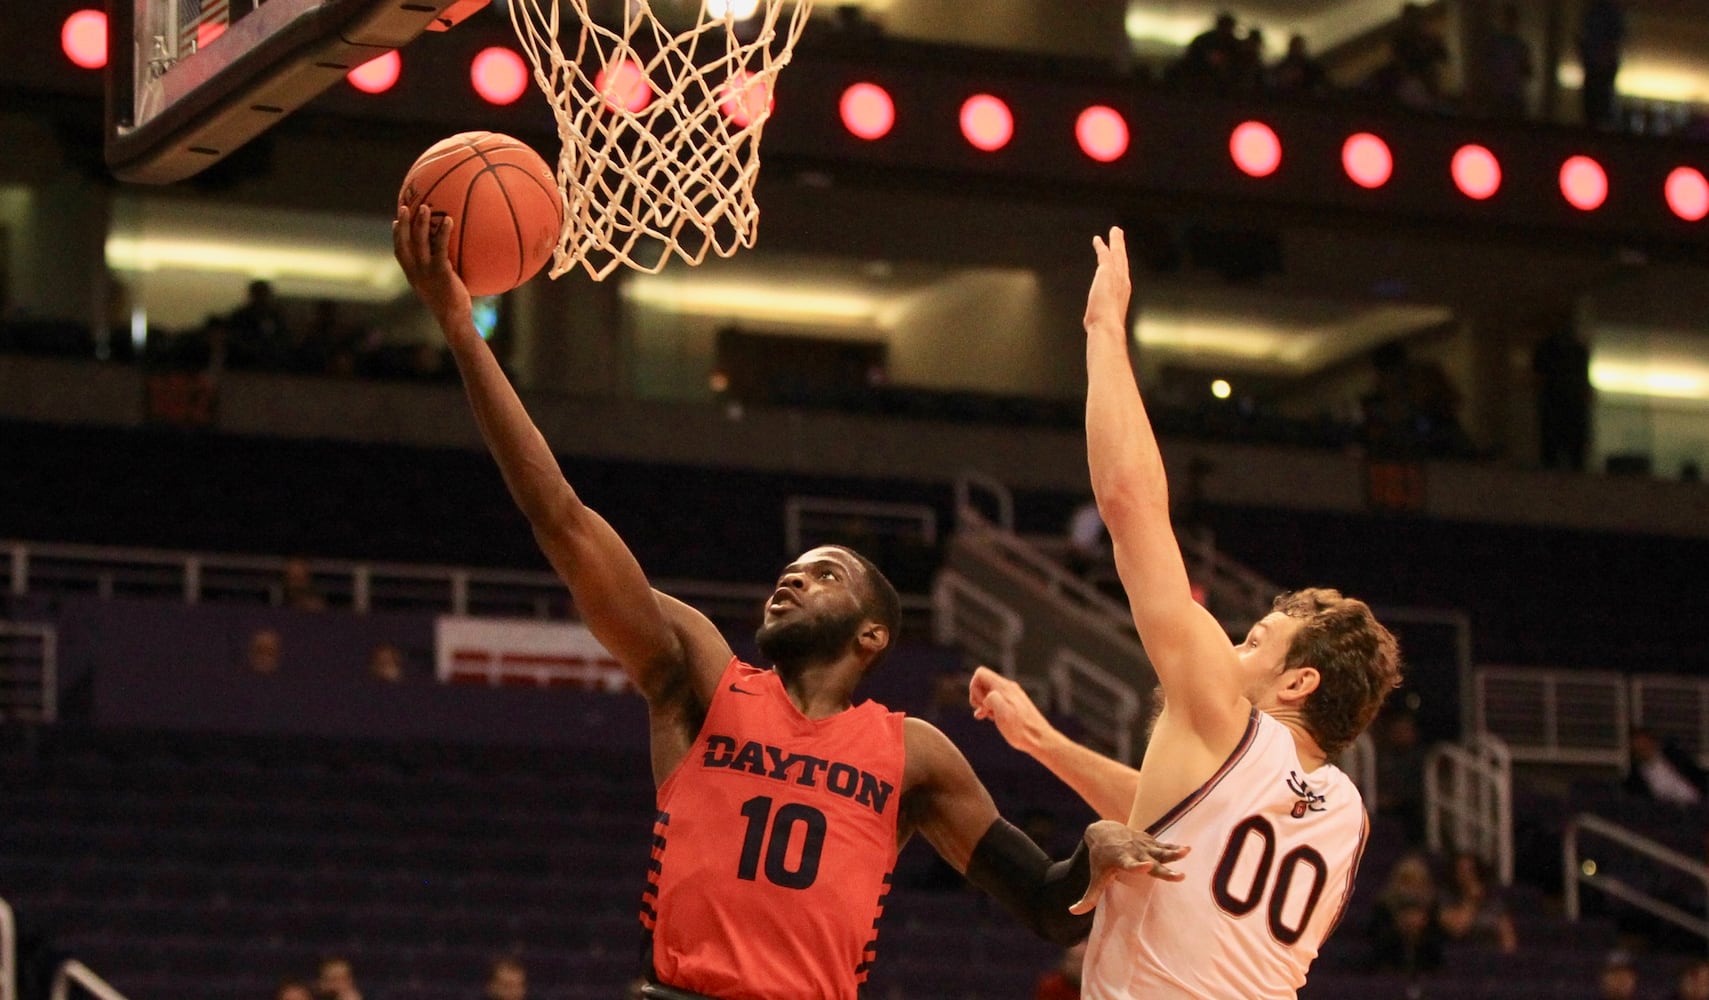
[505, 200]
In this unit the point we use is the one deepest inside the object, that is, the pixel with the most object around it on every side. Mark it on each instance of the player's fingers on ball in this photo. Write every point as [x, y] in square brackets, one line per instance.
[442, 235]
[400, 234]
[418, 223]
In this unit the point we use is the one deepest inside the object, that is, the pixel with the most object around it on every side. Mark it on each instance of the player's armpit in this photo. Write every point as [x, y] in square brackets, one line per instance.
[1018, 874]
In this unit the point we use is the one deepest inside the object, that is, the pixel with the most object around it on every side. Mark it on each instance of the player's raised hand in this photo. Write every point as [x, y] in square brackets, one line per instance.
[1118, 851]
[1007, 704]
[421, 242]
[1107, 302]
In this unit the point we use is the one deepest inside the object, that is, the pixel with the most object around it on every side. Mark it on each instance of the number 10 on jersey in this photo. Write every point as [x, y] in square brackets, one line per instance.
[770, 834]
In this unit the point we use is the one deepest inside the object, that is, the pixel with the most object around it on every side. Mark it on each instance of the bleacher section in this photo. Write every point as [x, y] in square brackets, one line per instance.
[200, 866]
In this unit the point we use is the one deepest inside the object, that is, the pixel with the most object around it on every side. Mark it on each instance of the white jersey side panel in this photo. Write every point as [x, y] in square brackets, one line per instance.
[1274, 855]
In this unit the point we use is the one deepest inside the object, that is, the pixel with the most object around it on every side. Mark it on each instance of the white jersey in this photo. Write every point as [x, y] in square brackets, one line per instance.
[1274, 854]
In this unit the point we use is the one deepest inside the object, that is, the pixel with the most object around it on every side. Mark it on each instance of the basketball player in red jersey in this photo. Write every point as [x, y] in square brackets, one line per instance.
[1237, 764]
[781, 807]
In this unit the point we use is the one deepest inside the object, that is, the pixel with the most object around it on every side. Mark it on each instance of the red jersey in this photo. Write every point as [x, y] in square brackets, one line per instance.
[773, 846]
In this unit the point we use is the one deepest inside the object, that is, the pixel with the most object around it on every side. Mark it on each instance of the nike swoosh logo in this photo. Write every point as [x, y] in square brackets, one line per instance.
[740, 691]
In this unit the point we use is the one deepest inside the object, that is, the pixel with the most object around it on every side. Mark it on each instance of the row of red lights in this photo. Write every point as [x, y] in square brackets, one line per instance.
[498, 74]
[500, 77]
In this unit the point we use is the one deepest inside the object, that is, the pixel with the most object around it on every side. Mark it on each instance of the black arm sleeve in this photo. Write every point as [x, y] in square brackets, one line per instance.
[1009, 866]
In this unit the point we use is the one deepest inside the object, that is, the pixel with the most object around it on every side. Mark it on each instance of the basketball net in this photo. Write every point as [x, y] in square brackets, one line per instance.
[660, 127]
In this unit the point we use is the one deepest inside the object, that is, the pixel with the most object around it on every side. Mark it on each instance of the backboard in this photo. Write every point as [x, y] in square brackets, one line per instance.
[192, 80]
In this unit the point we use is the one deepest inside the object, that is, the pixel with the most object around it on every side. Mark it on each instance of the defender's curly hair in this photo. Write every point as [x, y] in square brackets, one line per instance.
[1357, 660]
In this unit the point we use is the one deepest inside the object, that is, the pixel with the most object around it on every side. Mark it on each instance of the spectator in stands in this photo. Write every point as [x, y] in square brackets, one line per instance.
[1063, 982]
[1412, 75]
[1561, 363]
[386, 663]
[297, 587]
[1662, 771]
[329, 345]
[1508, 69]
[1601, 40]
[337, 980]
[1405, 931]
[263, 653]
[1250, 74]
[1474, 911]
[259, 337]
[1693, 981]
[1619, 977]
[507, 980]
[1400, 773]
[293, 989]
[1298, 73]
[1212, 59]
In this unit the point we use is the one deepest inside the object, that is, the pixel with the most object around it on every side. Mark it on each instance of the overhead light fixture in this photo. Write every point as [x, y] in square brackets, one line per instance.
[258, 259]
[1639, 379]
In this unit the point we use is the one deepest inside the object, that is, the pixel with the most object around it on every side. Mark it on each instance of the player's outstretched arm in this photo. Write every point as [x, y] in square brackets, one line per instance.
[1107, 785]
[1189, 649]
[947, 803]
[659, 641]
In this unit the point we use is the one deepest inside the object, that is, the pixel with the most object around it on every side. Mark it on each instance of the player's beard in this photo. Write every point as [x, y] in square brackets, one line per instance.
[801, 639]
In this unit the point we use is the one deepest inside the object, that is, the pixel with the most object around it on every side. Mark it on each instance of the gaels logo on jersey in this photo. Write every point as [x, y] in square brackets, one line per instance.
[778, 764]
[1310, 801]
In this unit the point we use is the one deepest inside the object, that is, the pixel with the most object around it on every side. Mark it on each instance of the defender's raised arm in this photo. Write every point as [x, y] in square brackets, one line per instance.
[660, 642]
[1190, 651]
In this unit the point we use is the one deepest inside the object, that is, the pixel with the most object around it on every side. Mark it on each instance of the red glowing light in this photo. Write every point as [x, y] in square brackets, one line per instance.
[498, 75]
[1583, 183]
[1102, 133]
[624, 86]
[1688, 194]
[746, 98]
[867, 111]
[377, 75]
[1255, 148]
[207, 31]
[1477, 173]
[986, 122]
[1367, 160]
[83, 39]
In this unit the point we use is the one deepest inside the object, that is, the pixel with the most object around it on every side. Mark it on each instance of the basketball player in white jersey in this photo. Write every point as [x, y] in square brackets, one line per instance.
[1237, 767]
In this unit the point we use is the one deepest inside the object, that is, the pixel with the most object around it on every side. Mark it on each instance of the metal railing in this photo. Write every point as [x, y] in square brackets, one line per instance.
[8, 952]
[72, 972]
[1232, 591]
[1676, 709]
[1469, 789]
[973, 488]
[1105, 707]
[1048, 576]
[1578, 870]
[1554, 716]
[966, 616]
[29, 672]
[195, 577]
[803, 517]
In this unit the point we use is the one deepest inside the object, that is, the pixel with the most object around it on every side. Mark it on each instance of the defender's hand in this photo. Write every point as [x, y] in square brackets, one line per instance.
[1107, 302]
[1120, 852]
[421, 244]
[1006, 703]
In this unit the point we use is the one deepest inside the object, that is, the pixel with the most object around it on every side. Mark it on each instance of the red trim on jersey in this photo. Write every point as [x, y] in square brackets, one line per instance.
[1181, 808]
[1352, 877]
